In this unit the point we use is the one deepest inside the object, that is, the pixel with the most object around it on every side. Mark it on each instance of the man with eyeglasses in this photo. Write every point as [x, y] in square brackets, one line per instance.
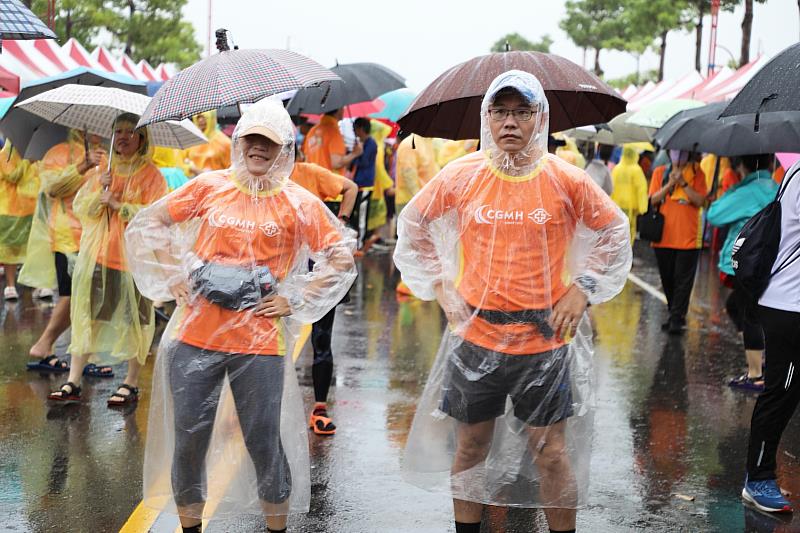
[514, 244]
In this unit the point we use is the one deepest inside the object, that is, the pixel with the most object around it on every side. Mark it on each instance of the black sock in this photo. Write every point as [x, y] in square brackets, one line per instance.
[464, 527]
[562, 531]
[192, 529]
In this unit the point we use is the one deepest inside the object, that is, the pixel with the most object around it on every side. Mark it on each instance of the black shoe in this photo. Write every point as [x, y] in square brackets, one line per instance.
[665, 325]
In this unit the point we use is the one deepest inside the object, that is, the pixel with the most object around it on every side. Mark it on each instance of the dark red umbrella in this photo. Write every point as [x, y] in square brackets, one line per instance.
[450, 106]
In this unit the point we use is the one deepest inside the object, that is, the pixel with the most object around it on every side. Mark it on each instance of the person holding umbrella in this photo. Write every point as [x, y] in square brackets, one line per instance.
[19, 185]
[232, 248]
[514, 244]
[55, 238]
[111, 320]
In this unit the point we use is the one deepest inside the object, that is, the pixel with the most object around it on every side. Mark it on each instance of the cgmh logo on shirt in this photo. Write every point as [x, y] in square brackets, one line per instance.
[221, 220]
[485, 214]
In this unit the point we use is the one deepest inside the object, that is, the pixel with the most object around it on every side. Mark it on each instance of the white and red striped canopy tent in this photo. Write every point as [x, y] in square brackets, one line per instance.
[107, 61]
[148, 71]
[131, 68]
[9, 82]
[734, 84]
[667, 90]
[164, 72]
[34, 59]
[80, 55]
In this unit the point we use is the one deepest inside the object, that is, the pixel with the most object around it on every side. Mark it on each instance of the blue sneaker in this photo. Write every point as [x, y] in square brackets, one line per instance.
[766, 496]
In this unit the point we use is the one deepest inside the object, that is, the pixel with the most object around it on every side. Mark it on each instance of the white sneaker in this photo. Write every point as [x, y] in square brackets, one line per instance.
[42, 293]
[10, 293]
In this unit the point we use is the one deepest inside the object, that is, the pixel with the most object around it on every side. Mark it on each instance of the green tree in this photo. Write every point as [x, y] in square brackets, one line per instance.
[594, 24]
[696, 11]
[634, 78]
[656, 18]
[81, 19]
[515, 41]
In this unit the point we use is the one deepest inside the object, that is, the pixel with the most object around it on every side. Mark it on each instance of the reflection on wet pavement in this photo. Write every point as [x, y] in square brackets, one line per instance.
[669, 450]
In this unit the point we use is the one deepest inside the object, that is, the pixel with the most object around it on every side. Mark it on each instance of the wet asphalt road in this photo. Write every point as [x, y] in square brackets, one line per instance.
[667, 427]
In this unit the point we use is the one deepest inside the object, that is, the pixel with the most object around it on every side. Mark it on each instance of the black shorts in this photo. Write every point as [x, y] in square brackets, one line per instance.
[62, 275]
[478, 381]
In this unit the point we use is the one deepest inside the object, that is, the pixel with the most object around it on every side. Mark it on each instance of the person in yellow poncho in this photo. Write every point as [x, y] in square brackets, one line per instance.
[216, 153]
[707, 165]
[383, 185]
[55, 237]
[630, 187]
[19, 184]
[111, 320]
[416, 165]
[168, 161]
[570, 153]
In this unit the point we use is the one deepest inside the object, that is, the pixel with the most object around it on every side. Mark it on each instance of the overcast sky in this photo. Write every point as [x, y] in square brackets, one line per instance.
[421, 38]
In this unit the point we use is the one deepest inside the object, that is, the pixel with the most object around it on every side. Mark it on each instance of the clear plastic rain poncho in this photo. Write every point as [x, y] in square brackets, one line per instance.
[19, 185]
[216, 153]
[502, 237]
[226, 405]
[55, 227]
[111, 321]
[630, 186]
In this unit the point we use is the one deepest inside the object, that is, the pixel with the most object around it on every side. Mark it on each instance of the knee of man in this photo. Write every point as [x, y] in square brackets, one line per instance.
[552, 456]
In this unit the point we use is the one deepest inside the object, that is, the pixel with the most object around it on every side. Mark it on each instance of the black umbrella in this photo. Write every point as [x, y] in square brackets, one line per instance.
[699, 130]
[773, 88]
[361, 82]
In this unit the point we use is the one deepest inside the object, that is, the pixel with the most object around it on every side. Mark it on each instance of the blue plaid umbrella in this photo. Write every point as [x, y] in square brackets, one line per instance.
[18, 22]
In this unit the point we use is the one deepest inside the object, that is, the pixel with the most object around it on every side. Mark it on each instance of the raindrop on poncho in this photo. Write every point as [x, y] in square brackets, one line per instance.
[630, 187]
[226, 423]
[55, 227]
[19, 186]
[502, 237]
[111, 320]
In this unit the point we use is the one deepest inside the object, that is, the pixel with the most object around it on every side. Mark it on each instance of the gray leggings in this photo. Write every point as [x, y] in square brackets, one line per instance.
[196, 378]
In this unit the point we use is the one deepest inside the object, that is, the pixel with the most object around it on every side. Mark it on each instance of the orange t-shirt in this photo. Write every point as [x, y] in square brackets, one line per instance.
[514, 235]
[321, 182]
[236, 229]
[322, 141]
[144, 187]
[683, 222]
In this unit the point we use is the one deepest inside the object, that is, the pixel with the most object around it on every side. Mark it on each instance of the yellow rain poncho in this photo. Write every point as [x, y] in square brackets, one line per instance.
[630, 187]
[452, 150]
[501, 239]
[216, 153]
[377, 203]
[19, 185]
[708, 164]
[571, 154]
[170, 162]
[55, 227]
[225, 402]
[416, 165]
[111, 320]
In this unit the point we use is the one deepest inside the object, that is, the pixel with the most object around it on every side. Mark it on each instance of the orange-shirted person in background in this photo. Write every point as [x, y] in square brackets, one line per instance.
[489, 238]
[325, 185]
[679, 189]
[111, 321]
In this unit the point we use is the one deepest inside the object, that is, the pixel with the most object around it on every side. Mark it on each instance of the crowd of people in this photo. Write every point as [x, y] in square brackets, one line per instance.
[515, 235]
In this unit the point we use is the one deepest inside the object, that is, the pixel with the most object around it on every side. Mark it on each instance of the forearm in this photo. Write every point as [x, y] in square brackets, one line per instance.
[695, 197]
[603, 272]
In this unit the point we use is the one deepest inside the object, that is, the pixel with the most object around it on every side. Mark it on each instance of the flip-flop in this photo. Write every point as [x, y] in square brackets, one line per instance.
[92, 370]
[321, 424]
[747, 383]
[43, 364]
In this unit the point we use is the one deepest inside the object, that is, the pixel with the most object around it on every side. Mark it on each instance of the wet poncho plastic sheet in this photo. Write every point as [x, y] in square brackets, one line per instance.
[226, 404]
[502, 236]
[111, 321]
[19, 185]
[55, 227]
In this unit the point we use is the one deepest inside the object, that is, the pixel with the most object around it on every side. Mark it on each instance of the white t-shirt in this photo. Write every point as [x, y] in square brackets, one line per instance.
[784, 288]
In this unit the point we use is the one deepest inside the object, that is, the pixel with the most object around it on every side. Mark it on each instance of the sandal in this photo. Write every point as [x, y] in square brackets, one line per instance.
[131, 397]
[92, 370]
[320, 423]
[745, 382]
[49, 363]
[67, 393]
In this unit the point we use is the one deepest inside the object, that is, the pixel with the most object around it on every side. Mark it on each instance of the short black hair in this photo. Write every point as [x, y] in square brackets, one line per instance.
[605, 151]
[332, 111]
[757, 162]
[362, 123]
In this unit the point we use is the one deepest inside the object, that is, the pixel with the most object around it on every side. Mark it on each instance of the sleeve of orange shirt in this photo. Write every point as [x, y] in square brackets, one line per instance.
[186, 202]
[318, 230]
[655, 180]
[329, 184]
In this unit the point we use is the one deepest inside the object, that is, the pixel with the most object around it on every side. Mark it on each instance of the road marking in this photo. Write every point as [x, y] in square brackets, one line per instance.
[652, 291]
[142, 518]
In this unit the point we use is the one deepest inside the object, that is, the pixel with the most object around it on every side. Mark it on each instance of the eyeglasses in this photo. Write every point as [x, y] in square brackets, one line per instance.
[523, 115]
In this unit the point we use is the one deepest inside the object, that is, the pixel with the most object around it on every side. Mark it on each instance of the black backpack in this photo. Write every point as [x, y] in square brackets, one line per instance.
[756, 247]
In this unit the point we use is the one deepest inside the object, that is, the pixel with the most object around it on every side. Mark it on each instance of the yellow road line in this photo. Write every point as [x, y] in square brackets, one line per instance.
[142, 518]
